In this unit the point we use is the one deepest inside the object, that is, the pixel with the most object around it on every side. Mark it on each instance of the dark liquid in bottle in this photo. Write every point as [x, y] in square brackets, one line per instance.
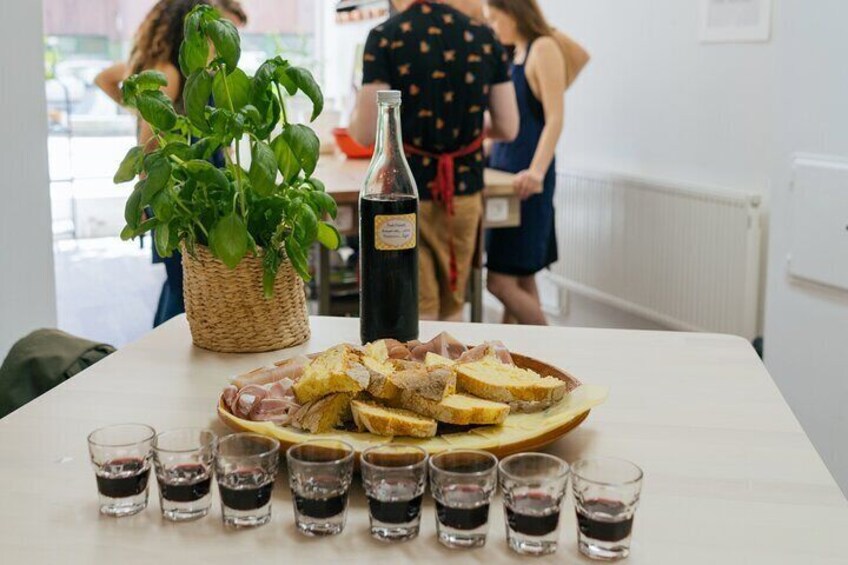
[320, 508]
[388, 305]
[126, 477]
[603, 530]
[462, 518]
[194, 483]
[527, 515]
[249, 498]
[395, 512]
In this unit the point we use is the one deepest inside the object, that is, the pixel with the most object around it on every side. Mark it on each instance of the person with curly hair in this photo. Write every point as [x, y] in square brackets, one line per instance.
[156, 47]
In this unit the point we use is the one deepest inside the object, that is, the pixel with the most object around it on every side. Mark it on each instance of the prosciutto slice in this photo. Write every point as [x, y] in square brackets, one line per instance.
[288, 369]
[443, 344]
[495, 348]
[271, 402]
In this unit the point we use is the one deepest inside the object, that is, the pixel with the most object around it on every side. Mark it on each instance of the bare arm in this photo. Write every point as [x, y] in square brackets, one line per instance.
[109, 81]
[173, 91]
[363, 121]
[547, 73]
[503, 119]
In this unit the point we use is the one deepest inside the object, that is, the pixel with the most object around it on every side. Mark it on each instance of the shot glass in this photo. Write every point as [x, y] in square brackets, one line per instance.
[606, 494]
[183, 462]
[121, 457]
[533, 486]
[246, 466]
[463, 483]
[394, 477]
[320, 473]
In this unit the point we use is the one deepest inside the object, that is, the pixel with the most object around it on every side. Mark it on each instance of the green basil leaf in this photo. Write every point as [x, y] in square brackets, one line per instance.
[298, 258]
[324, 203]
[305, 226]
[306, 83]
[263, 169]
[150, 80]
[262, 80]
[228, 240]
[287, 161]
[132, 209]
[178, 149]
[158, 175]
[272, 118]
[251, 114]
[304, 144]
[163, 207]
[207, 173]
[316, 185]
[128, 92]
[282, 77]
[130, 166]
[231, 91]
[194, 50]
[329, 236]
[156, 109]
[204, 148]
[161, 235]
[196, 94]
[127, 233]
[225, 38]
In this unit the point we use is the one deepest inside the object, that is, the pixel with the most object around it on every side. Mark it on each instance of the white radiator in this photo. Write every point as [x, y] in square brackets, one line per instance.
[683, 256]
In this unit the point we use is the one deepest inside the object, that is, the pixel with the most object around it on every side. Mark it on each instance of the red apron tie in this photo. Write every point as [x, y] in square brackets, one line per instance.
[444, 190]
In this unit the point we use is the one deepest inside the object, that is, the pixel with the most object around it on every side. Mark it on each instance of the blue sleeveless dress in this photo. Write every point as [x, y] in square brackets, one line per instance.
[531, 247]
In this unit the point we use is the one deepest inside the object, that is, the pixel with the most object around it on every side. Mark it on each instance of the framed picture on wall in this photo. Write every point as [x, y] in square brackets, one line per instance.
[735, 21]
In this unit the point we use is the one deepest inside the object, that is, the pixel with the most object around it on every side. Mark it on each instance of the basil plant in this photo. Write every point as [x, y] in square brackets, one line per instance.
[274, 208]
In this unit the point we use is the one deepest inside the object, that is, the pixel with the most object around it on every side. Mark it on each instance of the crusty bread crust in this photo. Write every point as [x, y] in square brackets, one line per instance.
[385, 421]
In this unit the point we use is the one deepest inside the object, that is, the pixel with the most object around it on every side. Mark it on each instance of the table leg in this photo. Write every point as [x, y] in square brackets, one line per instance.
[323, 281]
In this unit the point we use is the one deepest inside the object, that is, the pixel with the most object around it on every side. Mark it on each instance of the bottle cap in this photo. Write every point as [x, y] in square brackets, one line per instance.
[388, 97]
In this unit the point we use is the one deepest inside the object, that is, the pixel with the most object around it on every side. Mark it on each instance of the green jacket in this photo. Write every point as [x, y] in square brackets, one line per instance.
[42, 360]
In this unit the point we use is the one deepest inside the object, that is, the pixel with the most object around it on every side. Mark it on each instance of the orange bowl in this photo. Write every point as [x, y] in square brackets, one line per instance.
[349, 146]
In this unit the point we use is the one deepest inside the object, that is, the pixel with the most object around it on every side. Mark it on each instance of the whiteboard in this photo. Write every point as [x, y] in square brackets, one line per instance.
[819, 243]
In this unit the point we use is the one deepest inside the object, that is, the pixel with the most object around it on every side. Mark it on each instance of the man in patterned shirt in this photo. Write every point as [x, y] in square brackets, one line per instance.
[451, 71]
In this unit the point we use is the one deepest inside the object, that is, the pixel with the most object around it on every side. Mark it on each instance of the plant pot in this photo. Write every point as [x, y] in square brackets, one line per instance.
[228, 312]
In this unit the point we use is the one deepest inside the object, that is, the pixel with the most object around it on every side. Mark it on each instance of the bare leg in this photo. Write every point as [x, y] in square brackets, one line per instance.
[508, 318]
[522, 304]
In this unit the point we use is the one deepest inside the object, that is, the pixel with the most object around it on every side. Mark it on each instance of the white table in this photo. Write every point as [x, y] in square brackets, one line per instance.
[730, 475]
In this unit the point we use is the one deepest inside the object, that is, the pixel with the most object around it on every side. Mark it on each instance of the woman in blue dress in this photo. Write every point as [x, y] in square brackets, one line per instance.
[515, 255]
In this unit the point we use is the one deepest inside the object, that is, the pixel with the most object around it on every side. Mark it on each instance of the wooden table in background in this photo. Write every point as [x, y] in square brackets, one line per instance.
[344, 179]
[730, 477]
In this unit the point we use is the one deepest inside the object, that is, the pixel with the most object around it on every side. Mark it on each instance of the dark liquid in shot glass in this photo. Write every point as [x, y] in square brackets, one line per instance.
[396, 511]
[121, 478]
[185, 483]
[533, 515]
[241, 491]
[462, 518]
[320, 508]
[603, 530]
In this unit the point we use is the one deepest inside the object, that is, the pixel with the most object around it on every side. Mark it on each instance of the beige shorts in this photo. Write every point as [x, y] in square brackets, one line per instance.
[435, 297]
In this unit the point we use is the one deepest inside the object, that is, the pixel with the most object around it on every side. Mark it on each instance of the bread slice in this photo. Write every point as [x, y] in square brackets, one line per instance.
[436, 360]
[339, 369]
[433, 383]
[384, 421]
[324, 414]
[459, 409]
[493, 380]
[377, 350]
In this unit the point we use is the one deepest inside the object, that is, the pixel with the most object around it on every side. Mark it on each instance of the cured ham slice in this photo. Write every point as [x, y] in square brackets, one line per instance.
[443, 344]
[490, 348]
[248, 400]
[288, 369]
[276, 410]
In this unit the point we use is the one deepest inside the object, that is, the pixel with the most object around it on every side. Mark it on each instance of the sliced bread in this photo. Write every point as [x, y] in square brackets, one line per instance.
[384, 421]
[459, 409]
[490, 379]
[324, 414]
[339, 369]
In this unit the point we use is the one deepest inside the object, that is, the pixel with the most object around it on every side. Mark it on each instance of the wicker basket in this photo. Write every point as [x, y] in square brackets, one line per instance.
[228, 312]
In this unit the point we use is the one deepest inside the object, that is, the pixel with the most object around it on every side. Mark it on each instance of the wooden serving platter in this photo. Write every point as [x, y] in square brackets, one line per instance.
[520, 432]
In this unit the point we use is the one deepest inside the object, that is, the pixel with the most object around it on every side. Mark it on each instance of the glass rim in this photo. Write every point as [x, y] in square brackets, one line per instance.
[348, 448]
[565, 467]
[640, 474]
[485, 454]
[151, 435]
[214, 439]
[274, 444]
[373, 448]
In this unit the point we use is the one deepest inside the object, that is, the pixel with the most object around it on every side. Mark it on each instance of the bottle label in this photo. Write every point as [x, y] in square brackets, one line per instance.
[395, 232]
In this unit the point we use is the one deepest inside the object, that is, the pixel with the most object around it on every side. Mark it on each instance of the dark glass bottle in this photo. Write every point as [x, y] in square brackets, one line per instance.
[388, 234]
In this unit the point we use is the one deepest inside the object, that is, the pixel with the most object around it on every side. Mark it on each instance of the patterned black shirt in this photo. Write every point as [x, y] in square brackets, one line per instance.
[444, 64]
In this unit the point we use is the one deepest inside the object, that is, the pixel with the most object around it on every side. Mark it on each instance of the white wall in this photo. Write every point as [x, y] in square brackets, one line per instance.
[656, 102]
[806, 335]
[27, 296]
